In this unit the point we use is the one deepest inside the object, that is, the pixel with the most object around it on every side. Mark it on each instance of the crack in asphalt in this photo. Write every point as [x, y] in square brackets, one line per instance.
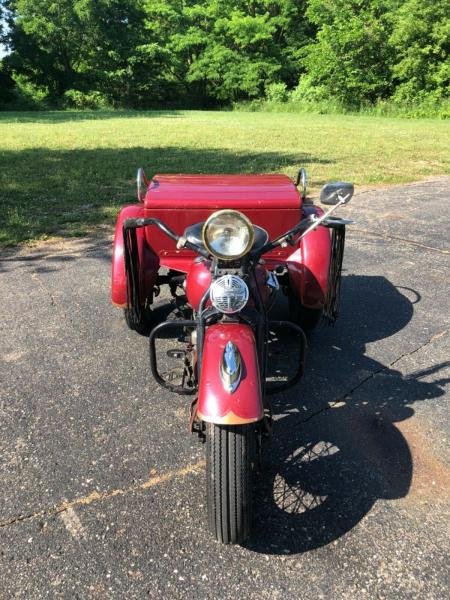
[399, 239]
[198, 466]
[348, 394]
[101, 496]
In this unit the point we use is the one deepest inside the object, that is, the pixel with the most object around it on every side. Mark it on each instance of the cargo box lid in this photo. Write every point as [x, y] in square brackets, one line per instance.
[239, 192]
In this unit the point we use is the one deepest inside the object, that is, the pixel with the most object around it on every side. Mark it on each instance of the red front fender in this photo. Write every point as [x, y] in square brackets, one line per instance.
[215, 403]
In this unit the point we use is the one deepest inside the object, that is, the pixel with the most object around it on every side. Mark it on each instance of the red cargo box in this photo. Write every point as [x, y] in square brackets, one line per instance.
[270, 201]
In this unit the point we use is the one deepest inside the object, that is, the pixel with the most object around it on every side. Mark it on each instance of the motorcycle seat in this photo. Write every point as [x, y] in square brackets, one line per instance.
[193, 234]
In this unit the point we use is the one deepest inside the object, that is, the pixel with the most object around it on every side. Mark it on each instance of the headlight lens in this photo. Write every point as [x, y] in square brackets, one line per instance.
[228, 234]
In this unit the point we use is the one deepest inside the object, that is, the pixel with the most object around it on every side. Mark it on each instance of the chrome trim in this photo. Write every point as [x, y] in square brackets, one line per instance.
[141, 184]
[230, 368]
[229, 294]
[302, 178]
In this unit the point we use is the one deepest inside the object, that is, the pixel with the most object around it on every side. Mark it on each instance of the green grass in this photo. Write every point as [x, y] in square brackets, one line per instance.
[67, 173]
[427, 108]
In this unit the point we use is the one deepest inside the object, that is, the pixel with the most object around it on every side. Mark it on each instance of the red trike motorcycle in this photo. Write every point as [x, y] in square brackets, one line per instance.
[225, 245]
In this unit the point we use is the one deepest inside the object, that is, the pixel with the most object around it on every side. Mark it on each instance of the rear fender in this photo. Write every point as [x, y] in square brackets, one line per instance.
[215, 403]
[148, 260]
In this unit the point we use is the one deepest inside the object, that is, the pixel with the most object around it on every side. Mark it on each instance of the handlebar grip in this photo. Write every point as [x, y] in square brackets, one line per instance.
[130, 223]
[142, 222]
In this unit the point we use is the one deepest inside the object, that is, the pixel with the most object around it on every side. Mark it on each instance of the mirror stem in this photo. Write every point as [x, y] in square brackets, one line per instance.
[318, 221]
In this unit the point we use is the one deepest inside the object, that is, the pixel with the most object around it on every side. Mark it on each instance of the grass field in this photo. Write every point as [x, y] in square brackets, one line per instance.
[67, 173]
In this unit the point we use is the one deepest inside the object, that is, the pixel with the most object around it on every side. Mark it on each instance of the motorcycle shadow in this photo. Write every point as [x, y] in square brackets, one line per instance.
[323, 471]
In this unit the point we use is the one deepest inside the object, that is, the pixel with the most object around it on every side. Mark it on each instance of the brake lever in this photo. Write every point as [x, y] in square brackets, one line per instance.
[336, 221]
[282, 240]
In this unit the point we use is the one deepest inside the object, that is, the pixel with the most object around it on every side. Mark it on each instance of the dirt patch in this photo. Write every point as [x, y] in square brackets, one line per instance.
[58, 245]
[431, 476]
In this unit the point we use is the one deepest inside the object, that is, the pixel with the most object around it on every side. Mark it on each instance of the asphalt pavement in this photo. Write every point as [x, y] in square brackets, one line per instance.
[102, 486]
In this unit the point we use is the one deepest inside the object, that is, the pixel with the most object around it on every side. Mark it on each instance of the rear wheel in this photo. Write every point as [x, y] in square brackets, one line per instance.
[230, 458]
[143, 325]
[306, 318]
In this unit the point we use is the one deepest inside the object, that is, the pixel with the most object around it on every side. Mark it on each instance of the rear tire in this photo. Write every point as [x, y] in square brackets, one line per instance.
[306, 318]
[144, 325]
[230, 459]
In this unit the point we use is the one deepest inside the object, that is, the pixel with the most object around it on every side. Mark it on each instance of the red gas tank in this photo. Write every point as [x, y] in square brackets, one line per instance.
[198, 280]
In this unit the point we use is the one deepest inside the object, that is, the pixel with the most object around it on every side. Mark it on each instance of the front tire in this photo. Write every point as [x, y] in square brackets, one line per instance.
[230, 460]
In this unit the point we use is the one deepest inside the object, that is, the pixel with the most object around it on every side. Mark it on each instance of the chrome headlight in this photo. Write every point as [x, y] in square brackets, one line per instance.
[228, 234]
[229, 294]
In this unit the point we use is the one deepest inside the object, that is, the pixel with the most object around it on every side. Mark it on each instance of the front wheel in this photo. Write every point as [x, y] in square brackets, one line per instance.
[230, 461]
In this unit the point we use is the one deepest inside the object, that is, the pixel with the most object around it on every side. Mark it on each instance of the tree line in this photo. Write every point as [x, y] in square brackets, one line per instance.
[156, 53]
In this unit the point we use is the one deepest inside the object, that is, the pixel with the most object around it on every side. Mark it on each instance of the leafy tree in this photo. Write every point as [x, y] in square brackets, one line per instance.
[163, 19]
[350, 58]
[2, 17]
[89, 46]
[6, 82]
[421, 39]
[45, 38]
[143, 53]
[119, 56]
[233, 49]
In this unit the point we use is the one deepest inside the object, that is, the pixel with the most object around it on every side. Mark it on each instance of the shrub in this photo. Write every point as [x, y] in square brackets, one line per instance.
[306, 91]
[82, 100]
[276, 92]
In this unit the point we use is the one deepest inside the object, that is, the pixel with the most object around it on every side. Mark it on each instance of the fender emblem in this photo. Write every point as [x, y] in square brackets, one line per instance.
[230, 368]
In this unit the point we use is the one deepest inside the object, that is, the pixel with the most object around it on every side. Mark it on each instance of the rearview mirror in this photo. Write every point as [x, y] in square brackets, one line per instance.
[141, 184]
[336, 192]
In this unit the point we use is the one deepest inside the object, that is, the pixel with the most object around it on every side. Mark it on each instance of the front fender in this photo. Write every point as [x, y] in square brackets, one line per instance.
[215, 403]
